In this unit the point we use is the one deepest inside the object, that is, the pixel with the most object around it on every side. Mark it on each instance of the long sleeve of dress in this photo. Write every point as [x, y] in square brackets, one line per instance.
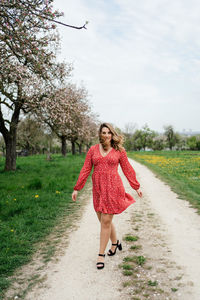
[85, 171]
[128, 170]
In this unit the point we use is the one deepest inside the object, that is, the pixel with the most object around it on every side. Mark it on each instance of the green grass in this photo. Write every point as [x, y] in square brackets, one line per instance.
[131, 238]
[174, 290]
[126, 283]
[31, 201]
[152, 283]
[127, 267]
[129, 259]
[139, 260]
[136, 247]
[179, 169]
[127, 273]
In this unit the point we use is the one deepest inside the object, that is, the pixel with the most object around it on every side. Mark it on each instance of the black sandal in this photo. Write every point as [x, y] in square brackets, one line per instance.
[100, 265]
[119, 246]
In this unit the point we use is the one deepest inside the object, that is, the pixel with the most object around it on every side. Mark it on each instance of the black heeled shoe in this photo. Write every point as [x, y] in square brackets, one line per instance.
[100, 265]
[119, 246]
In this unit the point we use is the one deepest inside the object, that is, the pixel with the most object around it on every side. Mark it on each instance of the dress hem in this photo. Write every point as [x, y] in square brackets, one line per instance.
[116, 213]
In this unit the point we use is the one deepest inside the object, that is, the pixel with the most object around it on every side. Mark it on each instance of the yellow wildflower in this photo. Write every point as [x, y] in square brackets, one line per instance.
[36, 196]
[57, 192]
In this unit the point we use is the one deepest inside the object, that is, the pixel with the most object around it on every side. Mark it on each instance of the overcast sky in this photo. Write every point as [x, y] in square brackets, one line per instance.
[139, 60]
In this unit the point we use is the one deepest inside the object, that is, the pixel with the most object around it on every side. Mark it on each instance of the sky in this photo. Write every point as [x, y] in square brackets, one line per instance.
[139, 60]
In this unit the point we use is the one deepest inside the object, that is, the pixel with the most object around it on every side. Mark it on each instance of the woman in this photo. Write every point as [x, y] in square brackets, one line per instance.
[109, 197]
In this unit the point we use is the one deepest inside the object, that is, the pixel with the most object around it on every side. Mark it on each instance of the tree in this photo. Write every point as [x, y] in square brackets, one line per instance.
[137, 140]
[158, 143]
[193, 142]
[128, 133]
[65, 110]
[180, 142]
[143, 138]
[89, 132]
[31, 136]
[171, 136]
[147, 137]
[27, 58]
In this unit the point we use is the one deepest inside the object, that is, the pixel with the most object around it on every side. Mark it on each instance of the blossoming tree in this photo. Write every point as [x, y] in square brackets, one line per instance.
[88, 132]
[28, 46]
[65, 111]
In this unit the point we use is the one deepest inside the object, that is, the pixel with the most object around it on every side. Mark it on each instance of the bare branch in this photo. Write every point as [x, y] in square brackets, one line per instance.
[7, 121]
[58, 22]
[61, 23]
[5, 103]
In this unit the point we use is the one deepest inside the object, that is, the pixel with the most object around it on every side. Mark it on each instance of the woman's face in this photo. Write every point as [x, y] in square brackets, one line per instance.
[106, 134]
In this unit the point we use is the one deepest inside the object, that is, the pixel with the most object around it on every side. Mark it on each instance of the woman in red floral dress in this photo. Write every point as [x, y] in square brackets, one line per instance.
[109, 196]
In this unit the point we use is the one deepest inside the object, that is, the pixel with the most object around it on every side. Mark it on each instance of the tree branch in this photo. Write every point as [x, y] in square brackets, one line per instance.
[5, 103]
[7, 121]
[8, 95]
[61, 23]
[58, 22]
[67, 25]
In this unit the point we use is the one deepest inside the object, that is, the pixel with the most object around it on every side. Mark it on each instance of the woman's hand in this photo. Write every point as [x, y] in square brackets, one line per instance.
[139, 192]
[74, 195]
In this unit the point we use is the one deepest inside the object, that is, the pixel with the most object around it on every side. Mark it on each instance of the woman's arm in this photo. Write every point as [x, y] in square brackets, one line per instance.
[129, 172]
[84, 173]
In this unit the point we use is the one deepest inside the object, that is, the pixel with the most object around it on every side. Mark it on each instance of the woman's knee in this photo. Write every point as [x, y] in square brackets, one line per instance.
[106, 220]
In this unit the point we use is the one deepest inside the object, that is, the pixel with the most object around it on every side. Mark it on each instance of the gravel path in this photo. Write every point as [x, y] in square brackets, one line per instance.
[75, 276]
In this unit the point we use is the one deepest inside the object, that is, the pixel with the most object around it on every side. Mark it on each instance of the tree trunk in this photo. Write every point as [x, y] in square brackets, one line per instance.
[80, 148]
[11, 156]
[73, 148]
[10, 137]
[64, 146]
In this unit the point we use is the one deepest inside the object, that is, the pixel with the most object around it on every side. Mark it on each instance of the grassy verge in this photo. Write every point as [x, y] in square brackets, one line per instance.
[32, 199]
[179, 169]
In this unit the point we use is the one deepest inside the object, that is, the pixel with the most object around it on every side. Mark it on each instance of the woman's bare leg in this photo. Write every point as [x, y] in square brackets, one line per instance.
[98, 215]
[113, 235]
[106, 220]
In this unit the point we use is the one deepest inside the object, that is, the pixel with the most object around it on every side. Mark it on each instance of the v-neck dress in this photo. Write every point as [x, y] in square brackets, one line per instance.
[109, 196]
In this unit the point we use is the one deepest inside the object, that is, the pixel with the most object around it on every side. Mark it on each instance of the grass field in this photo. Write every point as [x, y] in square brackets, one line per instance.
[31, 201]
[180, 169]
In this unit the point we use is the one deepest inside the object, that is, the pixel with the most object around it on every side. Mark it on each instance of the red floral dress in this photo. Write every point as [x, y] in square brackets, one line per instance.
[109, 196]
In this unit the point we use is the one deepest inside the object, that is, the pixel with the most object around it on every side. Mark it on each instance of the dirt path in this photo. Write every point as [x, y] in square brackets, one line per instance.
[75, 277]
[169, 233]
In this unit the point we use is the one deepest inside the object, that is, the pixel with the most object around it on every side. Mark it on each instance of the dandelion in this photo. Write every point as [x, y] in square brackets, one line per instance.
[36, 196]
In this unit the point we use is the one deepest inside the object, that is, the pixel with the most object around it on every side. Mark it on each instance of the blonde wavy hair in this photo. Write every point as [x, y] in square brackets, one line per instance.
[116, 141]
